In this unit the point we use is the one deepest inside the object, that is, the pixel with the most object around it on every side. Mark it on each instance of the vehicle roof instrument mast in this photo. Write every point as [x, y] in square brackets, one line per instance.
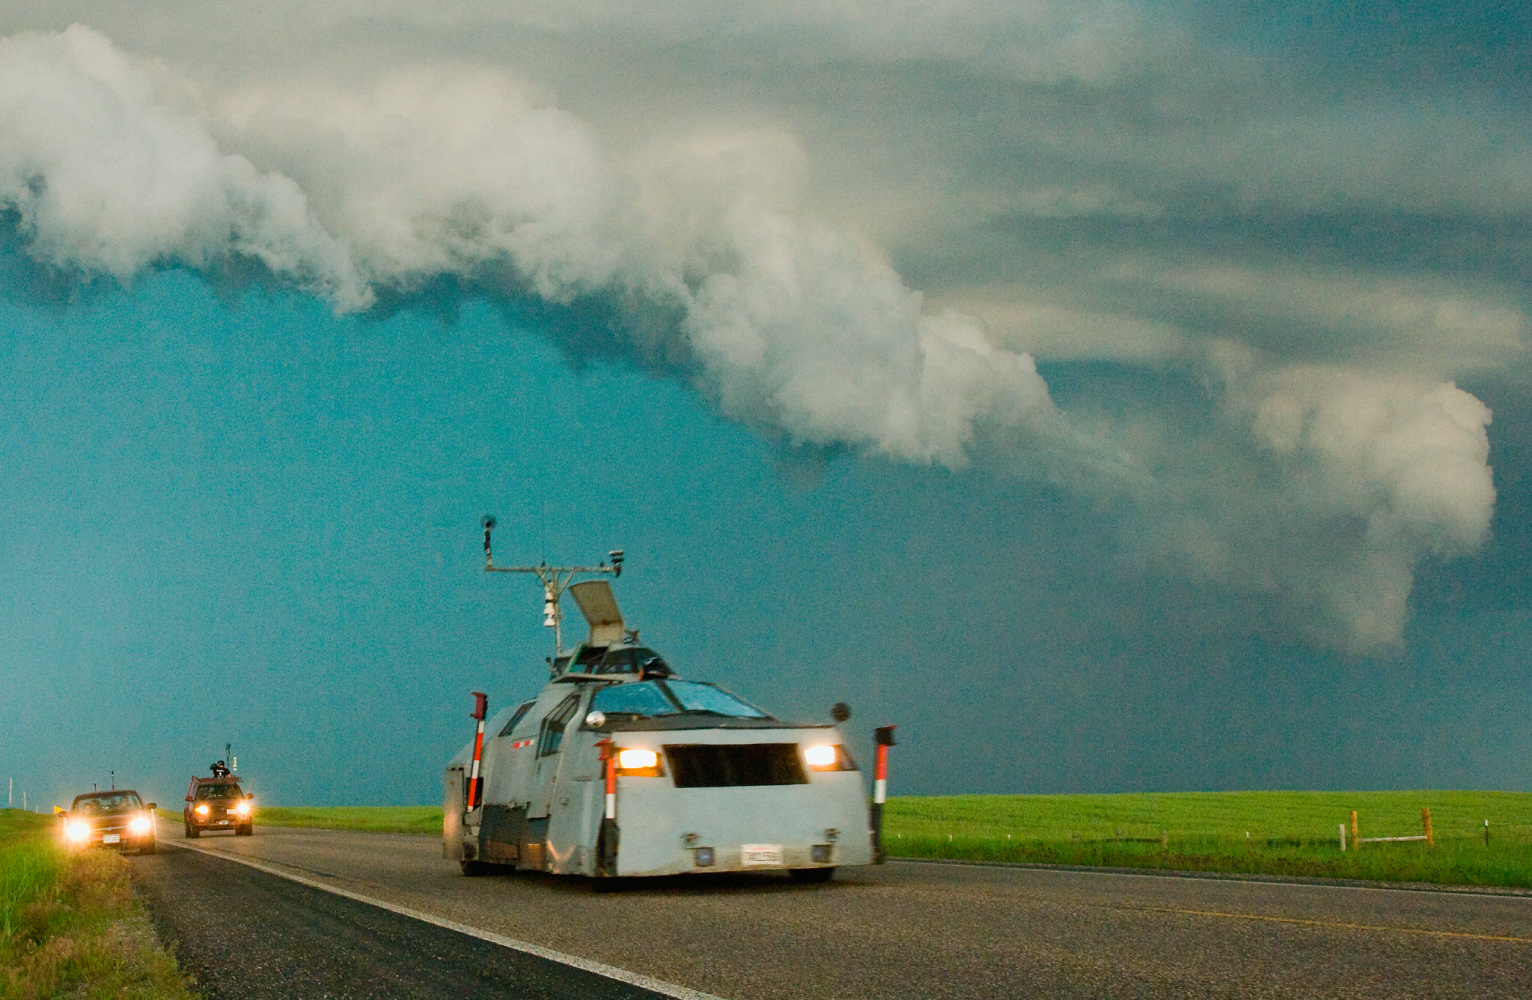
[555, 580]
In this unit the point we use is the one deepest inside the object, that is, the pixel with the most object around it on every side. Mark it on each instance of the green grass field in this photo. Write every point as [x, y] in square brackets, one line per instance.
[372, 819]
[1288, 833]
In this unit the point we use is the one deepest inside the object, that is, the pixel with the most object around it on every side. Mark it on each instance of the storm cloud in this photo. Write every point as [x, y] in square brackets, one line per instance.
[1197, 271]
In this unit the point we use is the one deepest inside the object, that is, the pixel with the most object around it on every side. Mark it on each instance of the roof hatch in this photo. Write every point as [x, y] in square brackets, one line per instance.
[599, 606]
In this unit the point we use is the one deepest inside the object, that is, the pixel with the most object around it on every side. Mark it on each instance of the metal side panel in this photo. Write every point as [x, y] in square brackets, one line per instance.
[500, 832]
[454, 783]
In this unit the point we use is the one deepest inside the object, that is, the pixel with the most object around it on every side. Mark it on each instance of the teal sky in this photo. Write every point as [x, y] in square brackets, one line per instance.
[256, 523]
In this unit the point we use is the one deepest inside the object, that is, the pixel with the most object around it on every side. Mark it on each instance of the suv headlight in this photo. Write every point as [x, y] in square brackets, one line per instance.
[203, 810]
[242, 809]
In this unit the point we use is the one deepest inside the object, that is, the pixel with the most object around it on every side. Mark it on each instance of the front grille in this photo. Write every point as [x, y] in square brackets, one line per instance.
[729, 765]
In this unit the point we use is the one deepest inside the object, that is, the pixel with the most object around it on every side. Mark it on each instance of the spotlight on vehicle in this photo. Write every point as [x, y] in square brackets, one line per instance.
[637, 760]
[820, 756]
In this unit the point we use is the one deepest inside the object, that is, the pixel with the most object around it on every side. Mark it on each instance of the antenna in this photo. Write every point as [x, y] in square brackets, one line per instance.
[555, 580]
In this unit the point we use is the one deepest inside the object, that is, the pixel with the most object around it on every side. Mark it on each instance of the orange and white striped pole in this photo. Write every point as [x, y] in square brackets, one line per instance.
[480, 709]
[606, 840]
[884, 737]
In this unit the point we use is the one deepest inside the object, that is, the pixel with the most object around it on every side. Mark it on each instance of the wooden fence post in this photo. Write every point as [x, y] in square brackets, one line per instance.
[1425, 819]
[1356, 838]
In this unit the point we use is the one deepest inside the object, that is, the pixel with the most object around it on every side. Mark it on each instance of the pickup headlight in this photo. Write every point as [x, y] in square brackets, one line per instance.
[78, 831]
[203, 810]
[140, 825]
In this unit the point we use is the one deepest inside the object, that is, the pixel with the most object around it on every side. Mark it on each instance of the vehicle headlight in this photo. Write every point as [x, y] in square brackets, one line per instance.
[638, 760]
[140, 825]
[78, 831]
[203, 810]
[820, 756]
[242, 808]
[828, 758]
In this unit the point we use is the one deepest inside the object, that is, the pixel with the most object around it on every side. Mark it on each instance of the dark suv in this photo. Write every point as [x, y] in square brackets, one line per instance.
[218, 803]
[117, 819]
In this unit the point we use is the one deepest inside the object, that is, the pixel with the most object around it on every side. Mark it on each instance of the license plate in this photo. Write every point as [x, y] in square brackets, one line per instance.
[760, 855]
[111, 838]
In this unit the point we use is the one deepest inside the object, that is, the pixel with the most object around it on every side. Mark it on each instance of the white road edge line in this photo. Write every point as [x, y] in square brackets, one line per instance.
[599, 968]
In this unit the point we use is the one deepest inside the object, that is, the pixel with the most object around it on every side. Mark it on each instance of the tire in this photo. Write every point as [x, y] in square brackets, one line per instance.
[811, 874]
[149, 847]
[248, 830]
[474, 869]
[192, 832]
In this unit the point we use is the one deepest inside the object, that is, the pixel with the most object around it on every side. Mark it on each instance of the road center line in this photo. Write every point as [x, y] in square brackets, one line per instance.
[599, 968]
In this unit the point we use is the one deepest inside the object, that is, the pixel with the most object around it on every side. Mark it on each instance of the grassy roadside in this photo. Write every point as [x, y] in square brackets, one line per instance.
[69, 921]
[370, 819]
[1275, 833]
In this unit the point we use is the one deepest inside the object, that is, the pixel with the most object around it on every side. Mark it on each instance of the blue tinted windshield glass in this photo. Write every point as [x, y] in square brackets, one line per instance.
[696, 696]
[633, 699]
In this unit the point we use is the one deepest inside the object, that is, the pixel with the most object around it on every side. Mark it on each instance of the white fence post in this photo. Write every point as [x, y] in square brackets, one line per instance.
[1342, 836]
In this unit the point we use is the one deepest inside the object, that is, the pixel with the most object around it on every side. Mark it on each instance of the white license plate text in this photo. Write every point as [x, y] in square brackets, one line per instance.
[760, 855]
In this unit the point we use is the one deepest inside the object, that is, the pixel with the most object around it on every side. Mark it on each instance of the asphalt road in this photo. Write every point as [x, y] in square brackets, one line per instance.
[899, 930]
[247, 935]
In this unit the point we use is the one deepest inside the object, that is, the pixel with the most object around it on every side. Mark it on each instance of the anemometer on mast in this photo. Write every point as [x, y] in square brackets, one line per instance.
[555, 580]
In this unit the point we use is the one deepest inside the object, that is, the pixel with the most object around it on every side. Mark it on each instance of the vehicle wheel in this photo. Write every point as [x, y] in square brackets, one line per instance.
[248, 830]
[473, 869]
[192, 832]
[811, 874]
[149, 847]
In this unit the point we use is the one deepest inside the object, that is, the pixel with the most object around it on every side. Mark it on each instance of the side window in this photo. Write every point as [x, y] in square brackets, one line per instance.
[520, 714]
[553, 726]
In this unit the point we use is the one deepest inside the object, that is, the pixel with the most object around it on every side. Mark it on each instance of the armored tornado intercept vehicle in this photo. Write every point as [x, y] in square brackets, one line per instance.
[620, 767]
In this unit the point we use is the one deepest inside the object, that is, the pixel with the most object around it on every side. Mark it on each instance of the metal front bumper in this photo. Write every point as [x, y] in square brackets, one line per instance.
[664, 828]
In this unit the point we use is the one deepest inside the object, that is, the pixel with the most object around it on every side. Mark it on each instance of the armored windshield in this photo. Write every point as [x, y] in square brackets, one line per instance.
[633, 699]
[671, 697]
[696, 696]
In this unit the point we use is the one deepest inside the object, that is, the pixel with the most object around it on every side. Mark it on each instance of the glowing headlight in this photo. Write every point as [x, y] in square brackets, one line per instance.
[203, 810]
[638, 760]
[820, 756]
[242, 809]
[140, 825]
[78, 831]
